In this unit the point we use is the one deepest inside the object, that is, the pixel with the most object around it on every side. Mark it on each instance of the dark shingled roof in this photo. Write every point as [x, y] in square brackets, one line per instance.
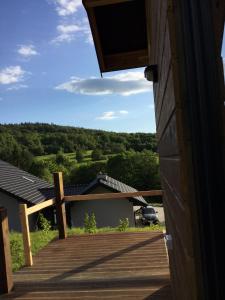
[115, 185]
[104, 180]
[27, 187]
[68, 190]
[21, 184]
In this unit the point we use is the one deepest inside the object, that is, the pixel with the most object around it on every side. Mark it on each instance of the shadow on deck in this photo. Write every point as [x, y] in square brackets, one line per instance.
[101, 266]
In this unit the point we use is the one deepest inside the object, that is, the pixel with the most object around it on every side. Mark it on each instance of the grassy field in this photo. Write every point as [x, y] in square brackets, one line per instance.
[72, 157]
[40, 239]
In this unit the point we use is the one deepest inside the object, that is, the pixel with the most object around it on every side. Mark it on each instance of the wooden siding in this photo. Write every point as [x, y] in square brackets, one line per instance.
[189, 105]
[172, 140]
[102, 266]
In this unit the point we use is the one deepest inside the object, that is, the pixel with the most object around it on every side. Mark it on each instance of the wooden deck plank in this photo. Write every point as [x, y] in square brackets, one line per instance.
[101, 266]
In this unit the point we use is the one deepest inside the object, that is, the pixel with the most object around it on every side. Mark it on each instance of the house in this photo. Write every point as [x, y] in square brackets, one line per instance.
[107, 212]
[16, 187]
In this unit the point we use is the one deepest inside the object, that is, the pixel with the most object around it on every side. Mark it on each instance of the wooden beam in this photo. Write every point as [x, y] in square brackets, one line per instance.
[40, 206]
[94, 3]
[60, 205]
[26, 235]
[125, 60]
[6, 279]
[96, 38]
[113, 195]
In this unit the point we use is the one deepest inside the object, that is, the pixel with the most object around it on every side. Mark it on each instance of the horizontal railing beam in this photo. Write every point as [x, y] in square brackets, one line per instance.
[112, 195]
[40, 206]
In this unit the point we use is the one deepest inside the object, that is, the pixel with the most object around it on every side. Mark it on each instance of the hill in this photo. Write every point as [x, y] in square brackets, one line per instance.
[81, 153]
[42, 139]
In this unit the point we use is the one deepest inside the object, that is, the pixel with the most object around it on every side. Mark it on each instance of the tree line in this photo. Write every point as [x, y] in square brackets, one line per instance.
[134, 160]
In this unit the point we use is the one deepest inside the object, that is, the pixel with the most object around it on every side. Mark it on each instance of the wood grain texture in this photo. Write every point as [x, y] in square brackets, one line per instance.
[40, 206]
[101, 266]
[60, 205]
[112, 195]
[26, 235]
[172, 139]
[94, 3]
[6, 279]
[126, 60]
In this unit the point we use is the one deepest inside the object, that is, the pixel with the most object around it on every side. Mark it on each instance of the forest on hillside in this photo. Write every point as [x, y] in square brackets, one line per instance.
[81, 153]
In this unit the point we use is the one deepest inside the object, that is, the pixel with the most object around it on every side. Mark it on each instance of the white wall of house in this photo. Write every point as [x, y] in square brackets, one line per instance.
[107, 212]
[12, 206]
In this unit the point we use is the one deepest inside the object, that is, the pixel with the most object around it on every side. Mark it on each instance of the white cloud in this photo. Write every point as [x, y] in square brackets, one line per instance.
[11, 74]
[17, 87]
[107, 115]
[27, 50]
[125, 84]
[123, 112]
[68, 28]
[87, 31]
[66, 33]
[67, 7]
[110, 115]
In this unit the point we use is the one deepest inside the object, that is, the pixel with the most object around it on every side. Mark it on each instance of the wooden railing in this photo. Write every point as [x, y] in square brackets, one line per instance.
[59, 201]
[24, 213]
[6, 281]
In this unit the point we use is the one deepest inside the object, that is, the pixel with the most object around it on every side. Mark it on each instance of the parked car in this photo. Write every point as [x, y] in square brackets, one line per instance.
[149, 215]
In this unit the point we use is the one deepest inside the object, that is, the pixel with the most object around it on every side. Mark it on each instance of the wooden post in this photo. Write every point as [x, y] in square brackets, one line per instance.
[26, 235]
[60, 205]
[6, 280]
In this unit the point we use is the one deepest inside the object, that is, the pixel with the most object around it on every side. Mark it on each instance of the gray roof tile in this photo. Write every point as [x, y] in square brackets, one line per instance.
[27, 187]
[115, 185]
[23, 185]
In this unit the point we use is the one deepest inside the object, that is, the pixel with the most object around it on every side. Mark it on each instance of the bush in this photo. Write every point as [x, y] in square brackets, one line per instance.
[17, 251]
[97, 155]
[90, 223]
[79, 155]
[44, 224]
[123, 224]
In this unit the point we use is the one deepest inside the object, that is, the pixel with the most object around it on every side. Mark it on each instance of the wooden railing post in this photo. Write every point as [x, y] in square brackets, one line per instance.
[60, 205]
[6, 279]
[26, 235]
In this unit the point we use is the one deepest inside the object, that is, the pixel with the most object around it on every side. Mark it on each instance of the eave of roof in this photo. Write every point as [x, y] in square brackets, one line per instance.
[21, 185]
[119, 29]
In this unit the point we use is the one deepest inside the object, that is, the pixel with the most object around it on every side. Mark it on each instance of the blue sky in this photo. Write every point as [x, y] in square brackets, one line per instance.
[49, 72]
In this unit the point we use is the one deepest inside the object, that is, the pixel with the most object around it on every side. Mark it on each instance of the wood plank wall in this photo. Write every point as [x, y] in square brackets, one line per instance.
[173, 149]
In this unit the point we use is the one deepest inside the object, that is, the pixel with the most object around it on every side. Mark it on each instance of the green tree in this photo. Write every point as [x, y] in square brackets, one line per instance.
[86, 173]
[97, 155]
[39, 169]
[79, 155]
[137, 169]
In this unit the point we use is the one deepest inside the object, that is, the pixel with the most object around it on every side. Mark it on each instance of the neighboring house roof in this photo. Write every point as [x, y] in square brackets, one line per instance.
[103, 180]
[68, 190]
[29, 188]
[114, 185]
[22, 185]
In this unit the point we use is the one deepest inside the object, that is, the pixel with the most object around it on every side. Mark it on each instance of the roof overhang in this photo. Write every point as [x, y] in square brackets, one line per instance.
[119, 31]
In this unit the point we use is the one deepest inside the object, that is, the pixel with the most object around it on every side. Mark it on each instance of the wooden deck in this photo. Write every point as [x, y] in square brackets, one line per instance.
[102, 266]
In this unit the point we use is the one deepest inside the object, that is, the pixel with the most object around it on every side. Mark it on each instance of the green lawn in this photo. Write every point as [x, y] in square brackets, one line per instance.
[39, 239]
[72, 156]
